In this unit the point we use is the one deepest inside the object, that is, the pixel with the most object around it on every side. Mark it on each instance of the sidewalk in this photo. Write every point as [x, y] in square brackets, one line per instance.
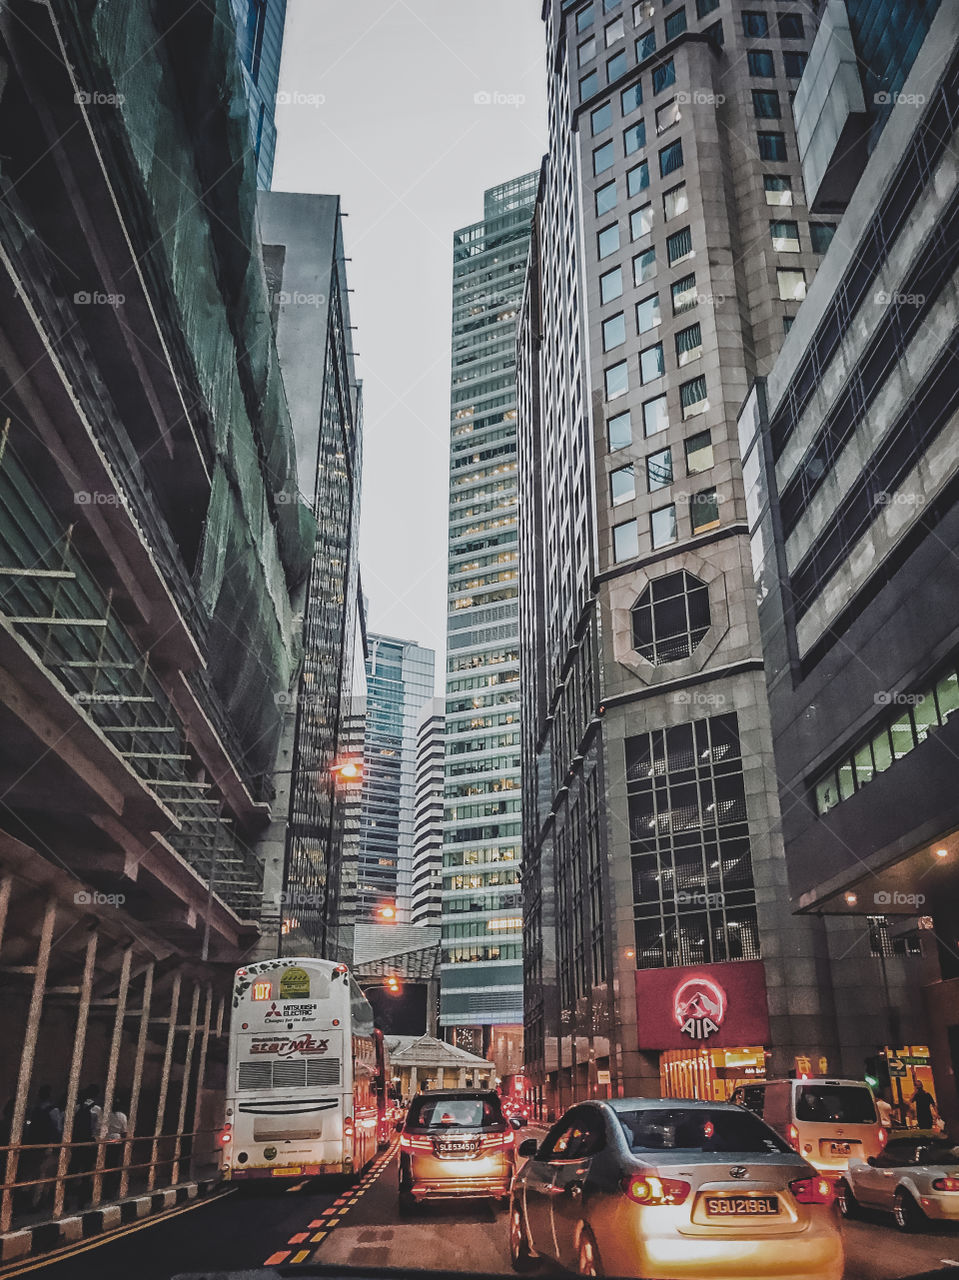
[44, 1237]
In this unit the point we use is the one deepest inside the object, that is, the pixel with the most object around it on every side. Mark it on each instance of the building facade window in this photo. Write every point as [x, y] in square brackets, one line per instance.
[641, 221]
[637, 180]
[675, 202]
[689, 344]
[604, 158]
[785, 236]
[617, 66]
[605, 199]
[761, 64]
[625, 541]
[704, 511]
[587, 51]
[608, 240]
[659, 470]
[622, 485]
[679, 246]
[662, 526]
[684, 294]
[671, 158]
[585, 19]
[675, 24]
[631, 99]
[778, 189]
[645, 46]
[766, 104]
[671, 618]
[614, 332]
[655, 416]
[634, 138]
[699, 453]
[614, 31]
[644, 267]
[601, 118]
[611, 285]
[617, 381]
[755, 25]
[651, 363]
[692, 397]
[693, 885]
[791, 27]
[794, 62]
[703, 7]
[619, 432]
[588, 86]
[648, 314]
[792, 285]
[772, 146]
[664, 75]
[820, 235]
[667, 115]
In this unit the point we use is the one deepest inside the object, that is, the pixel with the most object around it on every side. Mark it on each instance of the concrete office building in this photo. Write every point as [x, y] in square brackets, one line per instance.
[852, 475]
[399, 679]
[427, 879]
[259, 31]
[482, 983]
[672, 248]
[306, 274]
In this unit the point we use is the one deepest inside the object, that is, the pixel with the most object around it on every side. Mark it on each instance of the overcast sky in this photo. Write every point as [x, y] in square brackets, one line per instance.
[378, 104]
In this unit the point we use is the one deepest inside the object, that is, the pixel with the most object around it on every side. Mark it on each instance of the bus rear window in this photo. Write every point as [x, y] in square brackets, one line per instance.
[835, 1104]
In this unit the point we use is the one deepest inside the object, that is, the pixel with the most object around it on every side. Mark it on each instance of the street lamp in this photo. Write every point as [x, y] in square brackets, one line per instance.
[387, 911]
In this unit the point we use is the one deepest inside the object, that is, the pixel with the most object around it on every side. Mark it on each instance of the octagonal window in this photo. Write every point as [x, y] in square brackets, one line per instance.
[671, 618]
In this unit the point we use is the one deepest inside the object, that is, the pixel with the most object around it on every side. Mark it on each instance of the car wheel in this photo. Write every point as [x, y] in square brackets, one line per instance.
[847, 1202]
[587, 1260]
[908, 1215]
[520, 1256]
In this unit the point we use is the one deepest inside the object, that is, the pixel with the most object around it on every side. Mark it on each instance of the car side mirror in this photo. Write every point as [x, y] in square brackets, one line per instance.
[528, 1148]
[516, 1122]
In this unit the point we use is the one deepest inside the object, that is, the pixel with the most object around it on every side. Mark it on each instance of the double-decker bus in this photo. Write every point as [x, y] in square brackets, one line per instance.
[306, 1073]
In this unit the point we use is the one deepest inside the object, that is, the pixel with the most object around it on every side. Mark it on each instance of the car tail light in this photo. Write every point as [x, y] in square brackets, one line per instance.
[226, 1135]
[882, 1136]
[643, 1189]
[812, 1190]
[491, 1140]
[415, 1144]
[793, 1137]
[946, 1184]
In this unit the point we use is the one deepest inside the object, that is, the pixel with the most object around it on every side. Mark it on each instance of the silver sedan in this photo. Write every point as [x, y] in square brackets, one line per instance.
[914, 1179]
[672, 1188]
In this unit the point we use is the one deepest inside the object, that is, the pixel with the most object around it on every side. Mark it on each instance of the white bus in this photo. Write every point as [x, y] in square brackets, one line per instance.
[302, 1085]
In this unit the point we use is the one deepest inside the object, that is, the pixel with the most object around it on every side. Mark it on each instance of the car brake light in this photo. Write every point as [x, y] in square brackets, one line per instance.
[415, 1144]
[499, 1139]
[793, 1136]
[946, 1184]
[883, 1137]
[812, 1190]
[650, 1190]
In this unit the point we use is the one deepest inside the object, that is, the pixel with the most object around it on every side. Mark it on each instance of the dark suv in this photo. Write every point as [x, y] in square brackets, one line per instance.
[456, 1142]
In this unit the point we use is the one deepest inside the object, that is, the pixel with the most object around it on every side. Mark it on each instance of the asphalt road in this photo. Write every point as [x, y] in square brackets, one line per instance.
[290, 1228]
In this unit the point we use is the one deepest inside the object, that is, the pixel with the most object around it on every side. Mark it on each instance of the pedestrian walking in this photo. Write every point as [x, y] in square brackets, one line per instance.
[884, 1107]
[924, 1107]
[46, 1132]
[86, 1130]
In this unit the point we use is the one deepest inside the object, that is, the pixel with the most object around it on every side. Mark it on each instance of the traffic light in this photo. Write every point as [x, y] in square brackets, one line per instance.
[877, 1072]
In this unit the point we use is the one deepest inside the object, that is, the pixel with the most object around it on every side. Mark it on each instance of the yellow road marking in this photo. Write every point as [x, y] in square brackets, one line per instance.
[301, 1256]
[320, 1235]
[55, 1255]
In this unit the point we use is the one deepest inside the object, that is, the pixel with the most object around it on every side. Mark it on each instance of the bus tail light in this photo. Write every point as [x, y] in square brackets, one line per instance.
[348, 1127]
[226, 1135]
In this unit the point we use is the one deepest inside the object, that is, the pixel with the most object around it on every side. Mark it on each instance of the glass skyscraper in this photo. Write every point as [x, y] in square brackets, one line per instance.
[400, 678]
[482, 972]
[259, 32]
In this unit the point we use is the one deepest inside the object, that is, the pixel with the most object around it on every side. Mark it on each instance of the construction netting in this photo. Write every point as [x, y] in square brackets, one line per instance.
[181, 110]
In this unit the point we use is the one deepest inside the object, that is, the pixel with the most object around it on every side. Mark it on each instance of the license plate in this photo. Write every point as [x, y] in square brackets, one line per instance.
[840, 1148]
[455, 1148]
[742, 1206]
[291, 1171]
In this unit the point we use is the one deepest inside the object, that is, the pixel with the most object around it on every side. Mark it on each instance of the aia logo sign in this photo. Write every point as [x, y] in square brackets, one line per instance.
[699, 1007]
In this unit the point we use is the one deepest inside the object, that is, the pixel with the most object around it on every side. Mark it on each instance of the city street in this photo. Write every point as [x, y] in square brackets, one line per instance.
[360, 1227]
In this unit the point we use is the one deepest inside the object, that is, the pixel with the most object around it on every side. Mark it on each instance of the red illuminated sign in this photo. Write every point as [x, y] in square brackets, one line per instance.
[699, 1007]
[719, 1005]
[262, 990]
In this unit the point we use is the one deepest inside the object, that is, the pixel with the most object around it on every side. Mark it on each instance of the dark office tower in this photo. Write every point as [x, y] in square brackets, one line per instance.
[859, 62]
[306, 273]
[482, 974]
[259, 32]
[852, 478]
[671, 250]
[399, 680]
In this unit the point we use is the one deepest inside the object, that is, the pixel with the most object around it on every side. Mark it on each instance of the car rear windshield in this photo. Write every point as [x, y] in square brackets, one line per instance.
[698, 1129]
[836, 1104]
[453, 1113]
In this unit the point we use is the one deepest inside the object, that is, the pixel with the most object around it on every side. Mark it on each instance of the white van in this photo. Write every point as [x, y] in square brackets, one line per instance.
[826, 1121]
